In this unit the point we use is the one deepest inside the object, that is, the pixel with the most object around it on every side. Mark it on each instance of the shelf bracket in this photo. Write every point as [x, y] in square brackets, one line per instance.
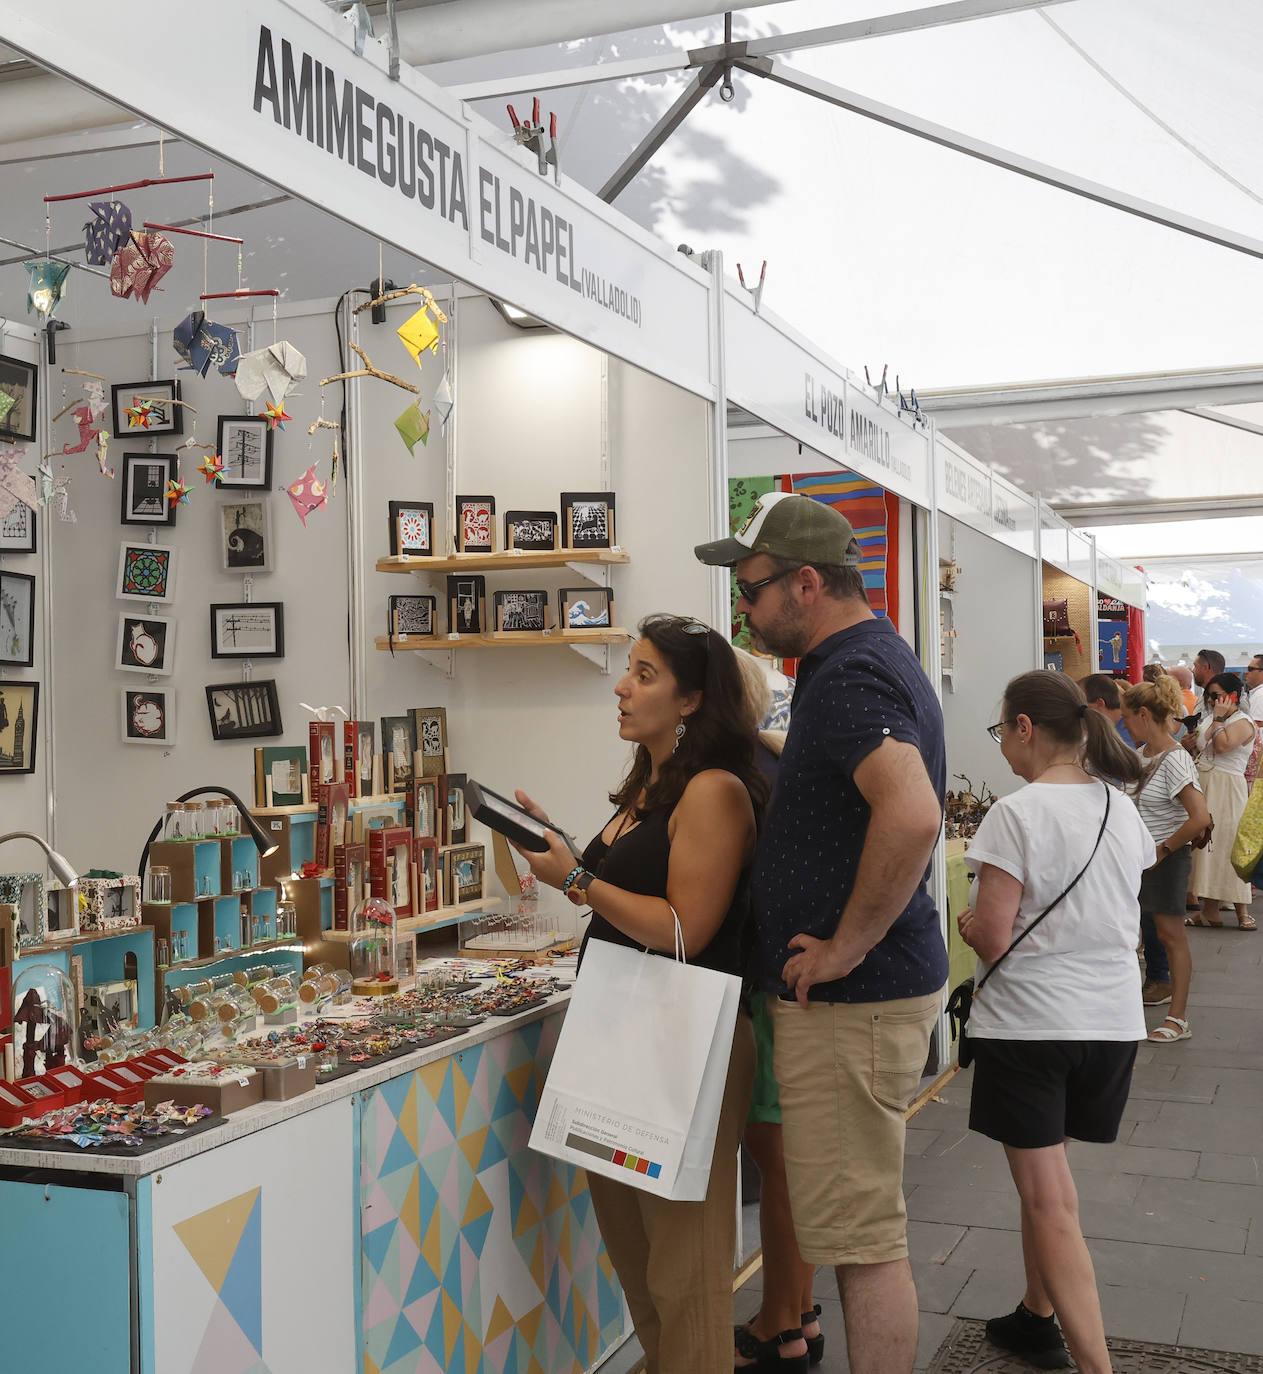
[596, 654]
[597, 573]
[441, 660]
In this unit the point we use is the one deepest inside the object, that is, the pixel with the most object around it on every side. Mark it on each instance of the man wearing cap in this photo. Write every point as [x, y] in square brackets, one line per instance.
[851, 944]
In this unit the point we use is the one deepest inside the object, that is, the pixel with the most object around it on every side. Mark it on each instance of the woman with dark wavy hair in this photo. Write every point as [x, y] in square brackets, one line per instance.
[678, 847]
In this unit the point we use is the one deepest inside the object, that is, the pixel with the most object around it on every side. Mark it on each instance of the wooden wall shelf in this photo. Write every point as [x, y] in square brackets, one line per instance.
[504, 560]
[512, 639]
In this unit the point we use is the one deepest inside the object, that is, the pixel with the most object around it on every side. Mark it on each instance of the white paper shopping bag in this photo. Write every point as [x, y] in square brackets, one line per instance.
[637, 1080]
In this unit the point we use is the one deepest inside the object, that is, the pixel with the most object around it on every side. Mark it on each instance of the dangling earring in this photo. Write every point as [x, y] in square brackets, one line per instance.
[679, 735]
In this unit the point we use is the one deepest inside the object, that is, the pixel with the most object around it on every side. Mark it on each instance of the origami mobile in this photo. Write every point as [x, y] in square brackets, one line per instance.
[444, 400]
[276, 369]
[139, 414]
[95, 392]
[88, 429]
[275, 416]
[46, 287]
[54, 490]
[210, 467]
[107, 231]
[177, 492]
[140, 264]
[417, 332]
[203, 344]
[414, 426]
[308, 494]
[15, 485]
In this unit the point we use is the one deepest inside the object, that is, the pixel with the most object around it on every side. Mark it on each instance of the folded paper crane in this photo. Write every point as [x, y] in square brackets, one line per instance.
[309, 494]
[276, 369]
[140, 264]
[203, 344]
[106, 232]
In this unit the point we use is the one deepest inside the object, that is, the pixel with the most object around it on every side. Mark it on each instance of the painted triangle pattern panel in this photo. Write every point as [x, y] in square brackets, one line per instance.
[478, 1255]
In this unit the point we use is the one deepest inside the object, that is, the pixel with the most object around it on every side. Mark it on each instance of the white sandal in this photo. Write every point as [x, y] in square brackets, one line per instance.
[1163, 1034]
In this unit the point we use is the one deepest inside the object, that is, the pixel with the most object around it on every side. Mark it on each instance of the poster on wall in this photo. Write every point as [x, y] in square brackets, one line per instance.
[19, 720]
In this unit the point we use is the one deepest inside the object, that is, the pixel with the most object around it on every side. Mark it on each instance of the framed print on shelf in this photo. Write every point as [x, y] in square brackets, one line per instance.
[475, 524]
[146, 644]
[19, 719]
[243, 710]
[412, 615]
[465, 873]
[18, 529]
[248, 629]
[146, 572]
[245, 529]
[521, 610]
[148, 716]
[429, 734]
[144, 488]
[17, 619]
[426, 819]
[530, 529]
[585, 608]
[245, 445]
[151, 407]
[466, 604]
[399, 743]
[587, 519]
[19, 390]
[411, 529]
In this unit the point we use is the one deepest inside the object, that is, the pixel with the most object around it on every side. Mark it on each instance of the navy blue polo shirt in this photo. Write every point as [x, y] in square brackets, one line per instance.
[855, 689]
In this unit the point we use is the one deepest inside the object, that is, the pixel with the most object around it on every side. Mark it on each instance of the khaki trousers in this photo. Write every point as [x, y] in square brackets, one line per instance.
[675, 1259]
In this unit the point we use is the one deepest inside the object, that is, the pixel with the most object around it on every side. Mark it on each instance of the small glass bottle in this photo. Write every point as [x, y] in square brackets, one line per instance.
[194, 820]
[173, 827]
[158, 885]
[229, 818]
[275, 993]
[256, 973]
[286, 920]
[162, 952]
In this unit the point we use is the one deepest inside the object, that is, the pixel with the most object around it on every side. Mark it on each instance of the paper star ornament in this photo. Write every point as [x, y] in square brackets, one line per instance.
[308, 495]
[274, 415]
[210, 467]
[177, 492]
[139, 414]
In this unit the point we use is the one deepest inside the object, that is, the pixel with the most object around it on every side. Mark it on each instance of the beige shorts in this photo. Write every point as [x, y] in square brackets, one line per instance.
[847, 1072]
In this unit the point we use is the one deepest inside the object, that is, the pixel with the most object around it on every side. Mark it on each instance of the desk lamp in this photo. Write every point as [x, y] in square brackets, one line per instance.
[256, 832]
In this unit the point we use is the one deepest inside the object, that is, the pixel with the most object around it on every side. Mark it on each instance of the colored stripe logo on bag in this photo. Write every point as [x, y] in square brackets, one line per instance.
[638, 1164]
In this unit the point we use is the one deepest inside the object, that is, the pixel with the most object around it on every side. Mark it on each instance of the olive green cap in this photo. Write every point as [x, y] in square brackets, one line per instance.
[788, 525]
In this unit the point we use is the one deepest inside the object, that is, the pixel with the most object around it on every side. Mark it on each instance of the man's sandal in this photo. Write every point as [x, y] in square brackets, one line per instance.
[1164, 1033]
[1247, 922]
[765, 1356]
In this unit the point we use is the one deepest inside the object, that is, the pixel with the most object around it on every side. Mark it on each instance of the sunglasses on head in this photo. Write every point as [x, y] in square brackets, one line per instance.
[749, 591]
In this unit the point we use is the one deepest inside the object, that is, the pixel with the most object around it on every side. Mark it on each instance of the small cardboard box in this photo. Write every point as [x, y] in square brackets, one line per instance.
[223, 1096]
[291, 1079]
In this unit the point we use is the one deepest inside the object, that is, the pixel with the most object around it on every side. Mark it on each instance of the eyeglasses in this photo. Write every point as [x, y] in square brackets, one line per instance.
[694, 627]
[749, 591]
[994, 730]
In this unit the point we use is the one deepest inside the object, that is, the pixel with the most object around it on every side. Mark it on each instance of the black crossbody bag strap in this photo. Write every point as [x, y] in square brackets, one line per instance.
[1099, 837]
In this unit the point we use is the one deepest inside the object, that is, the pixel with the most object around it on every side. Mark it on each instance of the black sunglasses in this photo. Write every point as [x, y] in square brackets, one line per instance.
[749, 591]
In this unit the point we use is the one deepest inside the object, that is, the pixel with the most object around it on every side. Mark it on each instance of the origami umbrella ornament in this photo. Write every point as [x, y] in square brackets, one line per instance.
[107, 231]
[275, 416]
[417, 332]
[203, 344]
[177, 492]
[276, 369]
[140, 264]
[46, 287]
[414, 426]
[444, 400]
[15, 485]
[210, 467]
[308, 494]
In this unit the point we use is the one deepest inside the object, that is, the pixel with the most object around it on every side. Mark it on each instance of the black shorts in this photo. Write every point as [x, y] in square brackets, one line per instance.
[1164, 887]
[1035, 1093]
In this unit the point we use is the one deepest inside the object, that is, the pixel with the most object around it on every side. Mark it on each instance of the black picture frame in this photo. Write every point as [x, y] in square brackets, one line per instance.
[167, 419]
[17, 620]
[19, 379]
[243, 710]
[520, 611]
[534, 530]
[460, 531]
[587, 520]
[144, 481]
[466, 603]
[244, 442]
[245, 535]
[402, 546]
[230, 619]
[19, 707]
[412, 615]
[599, 602]
[19, 530]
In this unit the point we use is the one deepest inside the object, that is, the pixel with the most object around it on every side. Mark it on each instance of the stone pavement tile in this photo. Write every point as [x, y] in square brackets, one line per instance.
[934, 1331]
[1169, 1266]
[1254, 1245]
[1193, 1052]
[969, 1147]
[1133, 1158]
[1154, 1224]
[990, 1292]
[1141, 1109]
[932, 1242]
[1161, 1084]
[1189, 1126]
[1235, 1202]
[1141, 1314]
[938, 1285]
[918, 1139]
[995, 1210]
[1229, 1168]
[1242, 1088]
[993, 1176]
[1200, 998]
[986, 1249]
[1219, 1322]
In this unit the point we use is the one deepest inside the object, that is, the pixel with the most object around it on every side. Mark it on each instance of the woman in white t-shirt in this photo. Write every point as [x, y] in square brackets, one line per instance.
[1170, 801]
[1054, 1032]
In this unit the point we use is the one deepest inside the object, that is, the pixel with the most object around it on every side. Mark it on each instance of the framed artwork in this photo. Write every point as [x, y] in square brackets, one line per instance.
[144, 488]
[148, 716]
[585, 608]
[25, 893]
[146, 572]
[248, 629]
[366, 819]
[17, 619]
[19, 719]
[466, 604]
[428, 896]
[465, 873]
[150, 404]
[426, 821]
[475, 524]
[587, 519]
[18, 529]
[412, 615]
[245, 543]
[146, 644]
[429, 734]
[457, 816]
[369, 783]
[243, 710]
[412, 529]
[281, 769]
[530, 529]
[19, 389]
[521, 610]
[398, 746]
[245, 445]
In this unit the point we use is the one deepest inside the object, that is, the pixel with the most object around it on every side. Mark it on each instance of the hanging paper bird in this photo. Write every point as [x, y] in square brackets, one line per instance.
[55, 491]
[102, 454]
[140, 264]
[308, 494]
[275, 416]
[105, 234]
[88, 429]
[444, 400]
[95, 392]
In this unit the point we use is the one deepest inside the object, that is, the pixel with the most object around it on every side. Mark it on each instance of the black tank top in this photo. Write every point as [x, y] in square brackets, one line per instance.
[637, 862]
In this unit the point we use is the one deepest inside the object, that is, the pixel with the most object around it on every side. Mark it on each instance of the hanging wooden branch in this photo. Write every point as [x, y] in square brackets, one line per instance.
[322, 423]
[70, 405]
[368, 370]
[164, 401]
[78, 372]
[413, 290]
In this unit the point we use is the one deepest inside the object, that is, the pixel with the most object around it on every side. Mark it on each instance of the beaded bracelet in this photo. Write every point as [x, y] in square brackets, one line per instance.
[571, 878]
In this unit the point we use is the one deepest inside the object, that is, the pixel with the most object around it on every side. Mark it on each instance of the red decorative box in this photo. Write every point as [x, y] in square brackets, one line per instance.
[17, 1105]
[45, 1093]
[70, 1081]
[161, 1060]
[119, 1083]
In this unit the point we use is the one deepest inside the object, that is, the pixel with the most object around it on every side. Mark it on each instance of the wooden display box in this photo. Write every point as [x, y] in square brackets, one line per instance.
[188, 860]
[224, 1096]
[291, 1079]
[8, 937]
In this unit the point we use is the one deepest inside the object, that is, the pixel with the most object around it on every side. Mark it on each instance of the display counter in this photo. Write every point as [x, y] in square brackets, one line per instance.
[393, 1219]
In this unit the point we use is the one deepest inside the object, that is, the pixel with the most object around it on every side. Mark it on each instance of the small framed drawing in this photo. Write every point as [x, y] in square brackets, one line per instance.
[530, 529]
[245, 543]
[428, 896]
[587, 519]
[466, 604]
[248, 629]
[243, 710]
[465, 873]
[150, 404]
[245, 445]
[457, 816]
[18, 529]
[148, 716]
[146, 572]
[146, 644]
[19, 722]
[426, 821]
[521, 611]
[429, 734]
[411, 529]
[17, 619]
[585, 608]
[19, 387]
[144, 488]
[412, 615]
[398, 746]
[475, 524]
